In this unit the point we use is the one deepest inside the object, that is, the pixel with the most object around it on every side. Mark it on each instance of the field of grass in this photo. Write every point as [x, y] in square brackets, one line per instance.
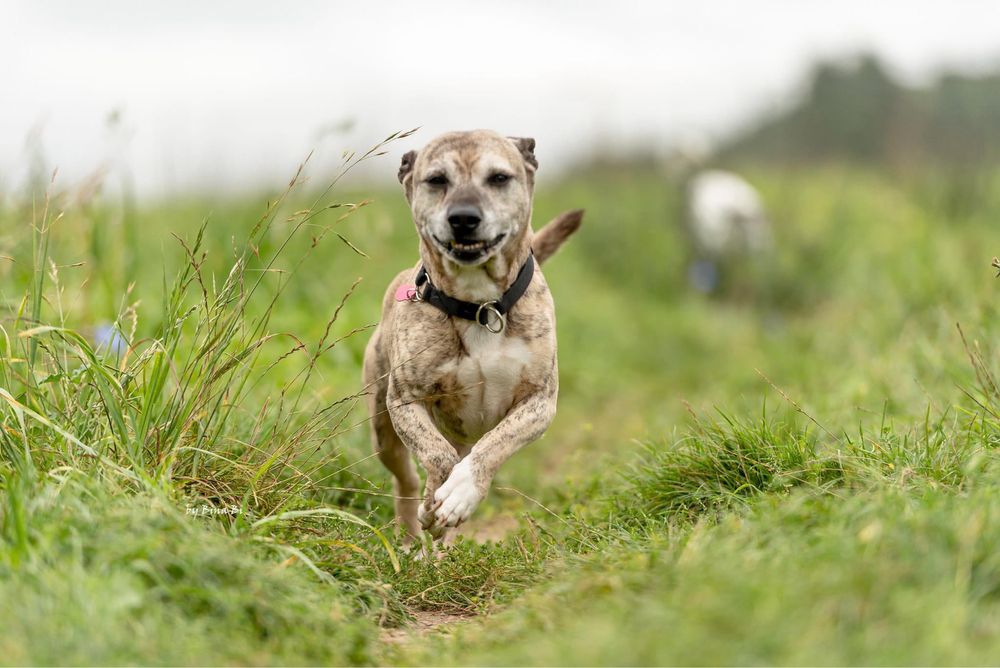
[801, 471]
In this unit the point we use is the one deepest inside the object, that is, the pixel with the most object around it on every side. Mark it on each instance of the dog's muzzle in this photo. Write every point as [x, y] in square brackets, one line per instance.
[464, 220]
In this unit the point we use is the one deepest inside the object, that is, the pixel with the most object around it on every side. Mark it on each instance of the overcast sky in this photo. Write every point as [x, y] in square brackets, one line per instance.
[231, 94]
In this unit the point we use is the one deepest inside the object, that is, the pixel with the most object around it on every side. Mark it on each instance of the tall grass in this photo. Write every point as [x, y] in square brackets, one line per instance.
[169, 411]
[118, 443]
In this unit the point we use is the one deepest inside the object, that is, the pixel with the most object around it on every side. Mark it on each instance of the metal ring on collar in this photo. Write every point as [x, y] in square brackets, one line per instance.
[491, 306]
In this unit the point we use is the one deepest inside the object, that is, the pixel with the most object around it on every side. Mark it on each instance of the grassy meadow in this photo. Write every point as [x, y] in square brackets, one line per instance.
[803, 470]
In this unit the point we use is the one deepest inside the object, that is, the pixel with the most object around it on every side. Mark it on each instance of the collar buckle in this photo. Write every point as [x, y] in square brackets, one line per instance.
[491, 307]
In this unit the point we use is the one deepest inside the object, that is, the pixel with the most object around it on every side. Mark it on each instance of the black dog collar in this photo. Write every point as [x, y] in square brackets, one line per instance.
[427, 292]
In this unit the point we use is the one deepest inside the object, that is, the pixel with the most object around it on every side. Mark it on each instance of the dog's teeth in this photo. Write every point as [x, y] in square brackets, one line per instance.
[467, 247]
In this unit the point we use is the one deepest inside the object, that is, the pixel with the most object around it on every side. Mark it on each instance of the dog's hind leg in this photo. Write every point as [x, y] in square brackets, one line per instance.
[406, 482]
[390, 450]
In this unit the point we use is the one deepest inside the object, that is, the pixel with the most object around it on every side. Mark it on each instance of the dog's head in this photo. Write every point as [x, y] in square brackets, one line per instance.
[470, 193]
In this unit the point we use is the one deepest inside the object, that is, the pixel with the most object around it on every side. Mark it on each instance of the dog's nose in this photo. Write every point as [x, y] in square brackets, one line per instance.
[464, 219]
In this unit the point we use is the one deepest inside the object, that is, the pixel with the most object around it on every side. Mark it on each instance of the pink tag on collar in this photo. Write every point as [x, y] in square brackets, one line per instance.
[405, 292]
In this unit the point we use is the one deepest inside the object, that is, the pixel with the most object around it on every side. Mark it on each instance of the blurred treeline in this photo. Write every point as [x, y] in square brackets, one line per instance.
[855, 110]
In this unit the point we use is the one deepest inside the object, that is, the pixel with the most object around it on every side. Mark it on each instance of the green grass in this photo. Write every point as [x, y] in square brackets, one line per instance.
[745, 545]
[802, 470]
[108, 576]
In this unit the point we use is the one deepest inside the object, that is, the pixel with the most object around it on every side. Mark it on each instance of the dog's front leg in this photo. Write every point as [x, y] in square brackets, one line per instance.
[470, 479]
[415, 428]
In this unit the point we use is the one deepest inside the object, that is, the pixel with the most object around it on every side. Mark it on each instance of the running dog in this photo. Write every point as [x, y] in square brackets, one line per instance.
[462, 367]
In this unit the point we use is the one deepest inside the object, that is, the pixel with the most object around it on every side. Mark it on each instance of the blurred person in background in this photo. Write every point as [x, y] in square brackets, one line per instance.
[723, 217]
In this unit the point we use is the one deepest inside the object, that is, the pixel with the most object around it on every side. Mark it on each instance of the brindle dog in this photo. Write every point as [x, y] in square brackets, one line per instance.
[457, 394]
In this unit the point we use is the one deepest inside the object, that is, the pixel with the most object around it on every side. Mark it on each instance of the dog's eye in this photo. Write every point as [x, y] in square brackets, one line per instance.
[498, 179]
[437, 180]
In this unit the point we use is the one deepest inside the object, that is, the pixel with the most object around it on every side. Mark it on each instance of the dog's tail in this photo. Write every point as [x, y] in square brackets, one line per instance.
[548, 239]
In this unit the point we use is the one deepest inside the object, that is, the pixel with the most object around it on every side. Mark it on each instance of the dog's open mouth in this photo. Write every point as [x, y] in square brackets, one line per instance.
[469, 251]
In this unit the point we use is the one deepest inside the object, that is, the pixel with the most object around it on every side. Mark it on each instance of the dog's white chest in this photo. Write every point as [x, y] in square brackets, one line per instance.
[487, 374]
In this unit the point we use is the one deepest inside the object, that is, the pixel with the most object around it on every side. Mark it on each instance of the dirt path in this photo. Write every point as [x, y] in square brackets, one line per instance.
[492, 529]
[424, 623]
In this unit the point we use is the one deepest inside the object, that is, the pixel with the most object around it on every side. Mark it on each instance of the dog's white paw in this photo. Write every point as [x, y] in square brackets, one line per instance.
[458, 496]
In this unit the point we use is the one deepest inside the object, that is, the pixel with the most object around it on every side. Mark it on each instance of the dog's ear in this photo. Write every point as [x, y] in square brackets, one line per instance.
[406, 165]
[526, 145]
[406, 171]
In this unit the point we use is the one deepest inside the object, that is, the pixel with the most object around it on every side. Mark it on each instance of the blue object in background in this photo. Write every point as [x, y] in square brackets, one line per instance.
[704, 276]
[107, 336]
